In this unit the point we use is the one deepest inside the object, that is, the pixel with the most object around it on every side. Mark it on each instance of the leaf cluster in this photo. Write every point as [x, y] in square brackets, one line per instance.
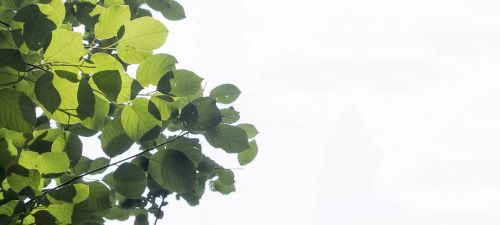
[64, 76]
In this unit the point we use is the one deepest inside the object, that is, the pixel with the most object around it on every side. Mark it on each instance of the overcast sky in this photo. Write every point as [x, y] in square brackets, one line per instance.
[370, 112]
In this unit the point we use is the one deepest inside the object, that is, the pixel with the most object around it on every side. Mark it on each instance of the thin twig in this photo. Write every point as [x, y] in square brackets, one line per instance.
[112, 164]
[159, 208]
[4, 23]
[35, 66]
[72, 65]
[104, 167]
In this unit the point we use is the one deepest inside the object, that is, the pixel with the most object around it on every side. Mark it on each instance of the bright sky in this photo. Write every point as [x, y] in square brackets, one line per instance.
[370, 112]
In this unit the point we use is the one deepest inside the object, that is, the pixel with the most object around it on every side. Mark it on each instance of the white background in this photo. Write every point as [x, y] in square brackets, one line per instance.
[370, 112]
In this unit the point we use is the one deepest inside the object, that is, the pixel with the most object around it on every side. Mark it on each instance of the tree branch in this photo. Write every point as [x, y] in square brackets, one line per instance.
[112, 164]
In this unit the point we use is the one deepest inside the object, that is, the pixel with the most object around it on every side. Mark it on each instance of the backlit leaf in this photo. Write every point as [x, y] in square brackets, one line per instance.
[231, 139]
[110, 20]
[65, 47]
[141, 121]
[17, 112]
[114, 140]
[225, 93]
[154, 68]
[247, 156]
[129, 180]
[173, 171]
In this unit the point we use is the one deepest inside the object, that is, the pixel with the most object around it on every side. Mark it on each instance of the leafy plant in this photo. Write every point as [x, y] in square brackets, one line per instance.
[58, 84]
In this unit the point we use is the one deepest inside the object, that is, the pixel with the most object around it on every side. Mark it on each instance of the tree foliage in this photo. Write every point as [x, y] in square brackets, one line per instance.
[63, 76]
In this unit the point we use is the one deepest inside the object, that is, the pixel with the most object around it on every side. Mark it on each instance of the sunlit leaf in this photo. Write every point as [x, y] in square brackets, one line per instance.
[141, 121]
[154, 68]
[35, 27]
[110, 20]
[144, 34]
[116, 85]
[65, 47]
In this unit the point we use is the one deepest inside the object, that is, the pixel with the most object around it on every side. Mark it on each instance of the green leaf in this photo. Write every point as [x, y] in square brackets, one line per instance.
[229, 115]
[141, 121]
[132, 55]
[103, 61]
[17, 112]
[162, 102]
[158, 5]
[62, 212]
[12, 58]
[231, 139]
[154, 68]
[173, 171]
[18, 139]
[6, 15]
[110, 20]
[247, 156]
[175, 11]
[109, 3]
[201, 114]
[98, 163]
[141, 219]
[8, 152]
[44, 217]
[45, 163]
[88, 13]
[189, 146]
[3, 175]
[225, 93]
[116, 85]
[19, 177]
[72, 193]
[8, 75]
[28, 159]
[62, 82]
[65, 47]
[114, 140]
[144, 33]
[223, 188]
[54, 10]
[46, 93]
[226, 176]
[101, 109]
[129, 180]
[35, 27]
[82, 166]
[97, 201]
[70, 144]
[86, 100]
[249, 129]
[185, 83]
